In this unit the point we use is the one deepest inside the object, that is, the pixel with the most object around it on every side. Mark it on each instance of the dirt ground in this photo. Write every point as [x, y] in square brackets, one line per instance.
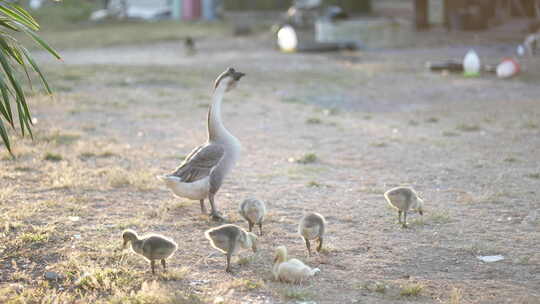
[373, 119]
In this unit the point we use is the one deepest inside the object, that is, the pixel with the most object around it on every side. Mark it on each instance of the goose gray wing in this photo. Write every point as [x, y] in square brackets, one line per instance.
[200, 162]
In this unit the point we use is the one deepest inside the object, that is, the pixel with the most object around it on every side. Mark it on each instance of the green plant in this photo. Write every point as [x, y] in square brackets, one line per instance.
[14, 58]
[308, 158]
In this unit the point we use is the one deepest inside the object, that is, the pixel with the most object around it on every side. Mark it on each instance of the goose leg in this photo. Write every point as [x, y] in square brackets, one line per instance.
[250, 226]
[153, 265]
[163, 263]
[399, 216]
[320, 244]
[308, 246]
[260, 228]
[216, 216]
[203, 208]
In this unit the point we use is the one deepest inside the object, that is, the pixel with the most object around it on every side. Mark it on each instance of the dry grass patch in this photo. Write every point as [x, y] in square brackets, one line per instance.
[468, 127]
[411, 290]
[456, 295]
[295, 293]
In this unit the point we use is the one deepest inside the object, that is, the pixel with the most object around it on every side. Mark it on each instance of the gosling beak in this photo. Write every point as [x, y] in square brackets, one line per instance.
[421, 212]
[276, 259]
[254, 248]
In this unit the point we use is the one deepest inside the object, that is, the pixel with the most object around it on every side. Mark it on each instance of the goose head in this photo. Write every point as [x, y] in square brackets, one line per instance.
[228, 79]
[129, 235]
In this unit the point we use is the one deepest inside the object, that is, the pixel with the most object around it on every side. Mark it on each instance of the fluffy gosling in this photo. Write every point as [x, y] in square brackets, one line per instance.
[152, 246]
[311, 227]
[290, 270]
[404, 199]
[229, 239]
[254, 211]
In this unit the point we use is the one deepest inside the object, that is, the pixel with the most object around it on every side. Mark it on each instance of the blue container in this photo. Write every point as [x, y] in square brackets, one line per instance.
[209, 10]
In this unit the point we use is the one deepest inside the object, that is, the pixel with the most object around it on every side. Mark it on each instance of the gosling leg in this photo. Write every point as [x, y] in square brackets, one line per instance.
[153, 265]
[203, 207]
[308, 246]
[404, 219]
[320, 244]
[399, 216]
[260, 228]
[214, 213]
[164, 265]
[250, 226]
[228, 269]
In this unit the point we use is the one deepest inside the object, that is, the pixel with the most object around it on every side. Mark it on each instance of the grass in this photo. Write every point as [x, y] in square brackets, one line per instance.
[456, 295]
[379, 287]
[313, 184]
[49, 156]
[411, 290]
[533, 175]
[313, 121]
[530, 125]
[468, 127]
[379, 144]
[296, 293]
[307, 158]
[432, 120]
[439, 217]
[450, 133]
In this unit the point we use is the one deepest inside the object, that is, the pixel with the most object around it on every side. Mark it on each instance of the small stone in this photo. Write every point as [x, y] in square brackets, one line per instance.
[52, 276]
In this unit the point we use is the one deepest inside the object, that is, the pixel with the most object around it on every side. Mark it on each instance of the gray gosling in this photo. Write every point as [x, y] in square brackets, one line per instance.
[152, 246]
[311, 227]
[229, 238]
[254, 211]
[404, 199]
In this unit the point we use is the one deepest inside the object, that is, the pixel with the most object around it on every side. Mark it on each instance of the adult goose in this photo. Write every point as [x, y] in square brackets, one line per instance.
[202, 172]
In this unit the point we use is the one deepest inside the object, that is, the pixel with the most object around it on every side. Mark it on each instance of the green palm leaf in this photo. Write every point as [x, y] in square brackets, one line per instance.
[15, 59]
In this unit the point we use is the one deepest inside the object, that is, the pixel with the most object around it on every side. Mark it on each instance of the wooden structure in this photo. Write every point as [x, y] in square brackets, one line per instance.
[475, 14]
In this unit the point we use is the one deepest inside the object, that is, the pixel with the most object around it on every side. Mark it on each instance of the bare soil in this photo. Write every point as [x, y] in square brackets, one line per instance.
[374, 120]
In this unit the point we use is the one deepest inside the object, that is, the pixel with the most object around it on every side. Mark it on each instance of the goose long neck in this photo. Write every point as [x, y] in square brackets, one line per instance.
[216, 129]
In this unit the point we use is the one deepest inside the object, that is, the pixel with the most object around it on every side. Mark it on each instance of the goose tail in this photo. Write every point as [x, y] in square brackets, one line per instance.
[168, 178]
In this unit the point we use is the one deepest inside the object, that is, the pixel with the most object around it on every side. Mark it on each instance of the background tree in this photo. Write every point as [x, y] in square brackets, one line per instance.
[16, 61]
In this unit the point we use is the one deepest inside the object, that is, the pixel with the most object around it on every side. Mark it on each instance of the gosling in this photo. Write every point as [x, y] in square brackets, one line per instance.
[229, 238]
[254, 211]
[404, 199]
[290, 270]
[311, 227]
[152, 246]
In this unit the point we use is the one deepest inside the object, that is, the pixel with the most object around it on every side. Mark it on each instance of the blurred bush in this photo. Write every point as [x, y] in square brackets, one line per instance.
[60, 13]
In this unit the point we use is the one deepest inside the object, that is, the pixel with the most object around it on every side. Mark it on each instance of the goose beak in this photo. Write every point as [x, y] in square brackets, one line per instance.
[237, 75]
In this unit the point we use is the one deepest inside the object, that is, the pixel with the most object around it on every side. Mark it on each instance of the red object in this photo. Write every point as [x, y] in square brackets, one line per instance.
[191, 9]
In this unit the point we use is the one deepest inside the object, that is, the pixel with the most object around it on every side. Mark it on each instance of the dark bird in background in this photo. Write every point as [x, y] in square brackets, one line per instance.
[189, 45]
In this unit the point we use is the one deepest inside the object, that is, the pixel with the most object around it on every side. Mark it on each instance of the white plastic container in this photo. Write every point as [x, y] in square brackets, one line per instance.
[471, 64]
[507, 68]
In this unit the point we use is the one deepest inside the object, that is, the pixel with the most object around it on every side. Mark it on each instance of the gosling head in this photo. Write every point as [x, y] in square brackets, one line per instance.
[252, 238]
[281, 254]
[129, 235]
[228, 79]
